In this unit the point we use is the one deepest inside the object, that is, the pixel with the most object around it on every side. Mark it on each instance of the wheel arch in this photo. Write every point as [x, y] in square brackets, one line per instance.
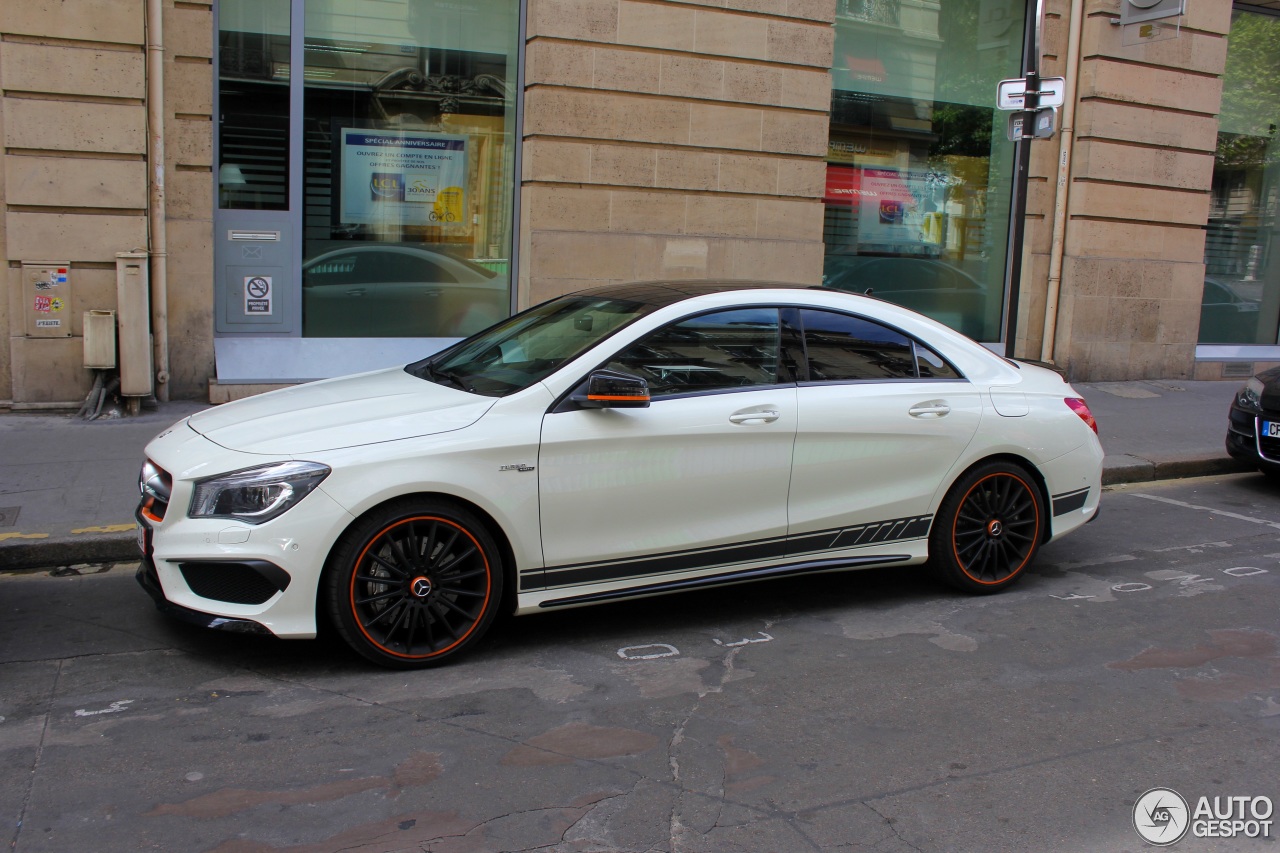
[492, 527]
[1022, 462]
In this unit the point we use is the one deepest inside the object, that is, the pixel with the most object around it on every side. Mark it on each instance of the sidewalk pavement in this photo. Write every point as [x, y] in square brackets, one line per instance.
[68, 487]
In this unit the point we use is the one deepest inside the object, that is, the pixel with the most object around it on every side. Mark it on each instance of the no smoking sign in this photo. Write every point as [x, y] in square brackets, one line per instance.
[257, 294]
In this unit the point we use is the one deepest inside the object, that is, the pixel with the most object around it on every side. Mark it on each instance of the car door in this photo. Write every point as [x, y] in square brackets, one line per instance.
[881, 420]
[693, 483]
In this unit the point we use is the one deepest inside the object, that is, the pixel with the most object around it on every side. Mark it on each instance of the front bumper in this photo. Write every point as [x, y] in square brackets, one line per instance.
[225, 574]
[151, 583]
[1245, 442]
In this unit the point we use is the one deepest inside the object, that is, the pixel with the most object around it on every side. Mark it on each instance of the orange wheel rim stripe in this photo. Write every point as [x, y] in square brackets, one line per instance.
[488, 585]
[1035, 536]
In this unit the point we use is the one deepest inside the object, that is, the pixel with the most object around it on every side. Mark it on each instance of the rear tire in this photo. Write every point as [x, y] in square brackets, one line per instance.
[988, 528]
[415, 583]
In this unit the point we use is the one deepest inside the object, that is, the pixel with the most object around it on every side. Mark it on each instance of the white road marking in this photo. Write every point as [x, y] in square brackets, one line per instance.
[1244, 571]
[113, 708]
[1101, 561]
[1228, 514]
[1183, 578]
[670, 652]
[1193, 548]
[764, 638]
[1191, 584]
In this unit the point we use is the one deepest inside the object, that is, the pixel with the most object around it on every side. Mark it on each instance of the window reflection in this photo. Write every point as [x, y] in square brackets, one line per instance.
[253, 98]
[844, 348]
[1241, 298]
[919, 175]
[722, 350]
[409, 150]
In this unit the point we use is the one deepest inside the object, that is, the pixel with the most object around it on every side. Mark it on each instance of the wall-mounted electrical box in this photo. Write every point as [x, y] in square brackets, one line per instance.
[133, 302]
[100, 339]
[46, 292]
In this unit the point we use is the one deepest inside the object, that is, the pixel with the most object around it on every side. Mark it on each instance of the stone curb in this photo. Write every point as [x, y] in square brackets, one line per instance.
[123, 547]
[24, 555]
[1117, 470]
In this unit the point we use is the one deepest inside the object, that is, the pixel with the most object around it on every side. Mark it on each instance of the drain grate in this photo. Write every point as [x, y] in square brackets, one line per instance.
[9, 515]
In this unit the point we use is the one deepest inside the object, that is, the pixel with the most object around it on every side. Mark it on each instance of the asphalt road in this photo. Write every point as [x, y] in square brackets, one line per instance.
[861, 711]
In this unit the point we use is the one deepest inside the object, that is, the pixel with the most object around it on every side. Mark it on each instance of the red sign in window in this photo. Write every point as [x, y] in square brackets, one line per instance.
[843, 184]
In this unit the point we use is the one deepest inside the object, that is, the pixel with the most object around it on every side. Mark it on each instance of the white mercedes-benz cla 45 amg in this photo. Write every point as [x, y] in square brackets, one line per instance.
[625, 441]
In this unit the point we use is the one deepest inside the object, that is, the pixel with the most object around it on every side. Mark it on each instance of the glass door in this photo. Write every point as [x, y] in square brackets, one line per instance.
[255, 282]
[365, 180]
[408, 158]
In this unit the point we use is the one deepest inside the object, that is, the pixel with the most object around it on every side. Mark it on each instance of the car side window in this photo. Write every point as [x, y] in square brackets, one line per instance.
[933, 366]
[844, 348]
[397, 267]
[711, 352]
[335, 270]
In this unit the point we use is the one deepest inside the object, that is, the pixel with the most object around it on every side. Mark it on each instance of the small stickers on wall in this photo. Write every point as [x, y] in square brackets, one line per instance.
[48, 305]
[56, 277]
[257, 294]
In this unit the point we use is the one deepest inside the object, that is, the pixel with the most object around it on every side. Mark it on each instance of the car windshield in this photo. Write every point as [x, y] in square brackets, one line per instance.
[518, 352]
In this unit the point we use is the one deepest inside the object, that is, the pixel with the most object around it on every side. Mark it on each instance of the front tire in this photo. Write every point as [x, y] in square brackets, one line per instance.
[988, 529]
[414, 584]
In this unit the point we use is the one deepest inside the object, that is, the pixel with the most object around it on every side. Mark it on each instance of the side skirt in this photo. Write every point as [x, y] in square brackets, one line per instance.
[784, 570]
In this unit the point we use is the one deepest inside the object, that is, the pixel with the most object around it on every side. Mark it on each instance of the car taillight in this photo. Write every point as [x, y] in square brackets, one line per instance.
[1081, 408]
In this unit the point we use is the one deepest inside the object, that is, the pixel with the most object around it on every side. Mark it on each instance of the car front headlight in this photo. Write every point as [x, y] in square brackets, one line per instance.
[258, 494]
[1251, 393]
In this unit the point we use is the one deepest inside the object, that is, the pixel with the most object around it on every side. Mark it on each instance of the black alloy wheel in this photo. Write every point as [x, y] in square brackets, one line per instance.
[414, 584]
[988, 528]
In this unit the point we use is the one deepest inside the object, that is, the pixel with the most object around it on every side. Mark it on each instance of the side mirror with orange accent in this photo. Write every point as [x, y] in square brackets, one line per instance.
[609, 389]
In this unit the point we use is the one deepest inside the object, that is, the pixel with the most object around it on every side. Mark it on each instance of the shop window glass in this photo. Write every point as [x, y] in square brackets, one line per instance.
[920, 174]
[253, 98]
[1241, 298]
[409, 141]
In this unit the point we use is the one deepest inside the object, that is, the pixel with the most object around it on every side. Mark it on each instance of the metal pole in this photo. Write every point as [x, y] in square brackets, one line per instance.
[156, 203]
[1058, 244]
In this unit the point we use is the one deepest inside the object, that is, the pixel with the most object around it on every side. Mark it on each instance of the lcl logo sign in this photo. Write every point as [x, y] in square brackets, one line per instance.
[383, 185]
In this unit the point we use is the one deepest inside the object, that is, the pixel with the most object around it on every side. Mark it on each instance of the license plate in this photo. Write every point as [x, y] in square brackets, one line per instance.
[1271, 429]
[144, 533]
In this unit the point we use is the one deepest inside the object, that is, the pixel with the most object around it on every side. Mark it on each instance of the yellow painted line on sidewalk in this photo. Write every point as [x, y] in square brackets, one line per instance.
[4, 536]
[108, 528]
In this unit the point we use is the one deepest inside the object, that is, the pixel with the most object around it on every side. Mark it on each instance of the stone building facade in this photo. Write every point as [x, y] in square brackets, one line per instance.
[1145, 134]
[647, 139]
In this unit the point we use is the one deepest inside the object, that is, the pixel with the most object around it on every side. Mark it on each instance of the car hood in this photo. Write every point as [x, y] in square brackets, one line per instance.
[1270, 397]
[367, 408]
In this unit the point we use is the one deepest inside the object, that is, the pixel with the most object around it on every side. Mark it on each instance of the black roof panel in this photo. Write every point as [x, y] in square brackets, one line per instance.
[662, 293]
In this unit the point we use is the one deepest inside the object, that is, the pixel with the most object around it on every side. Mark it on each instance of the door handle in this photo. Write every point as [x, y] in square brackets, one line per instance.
[356, 291]
[930, 409]
[766, 416]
